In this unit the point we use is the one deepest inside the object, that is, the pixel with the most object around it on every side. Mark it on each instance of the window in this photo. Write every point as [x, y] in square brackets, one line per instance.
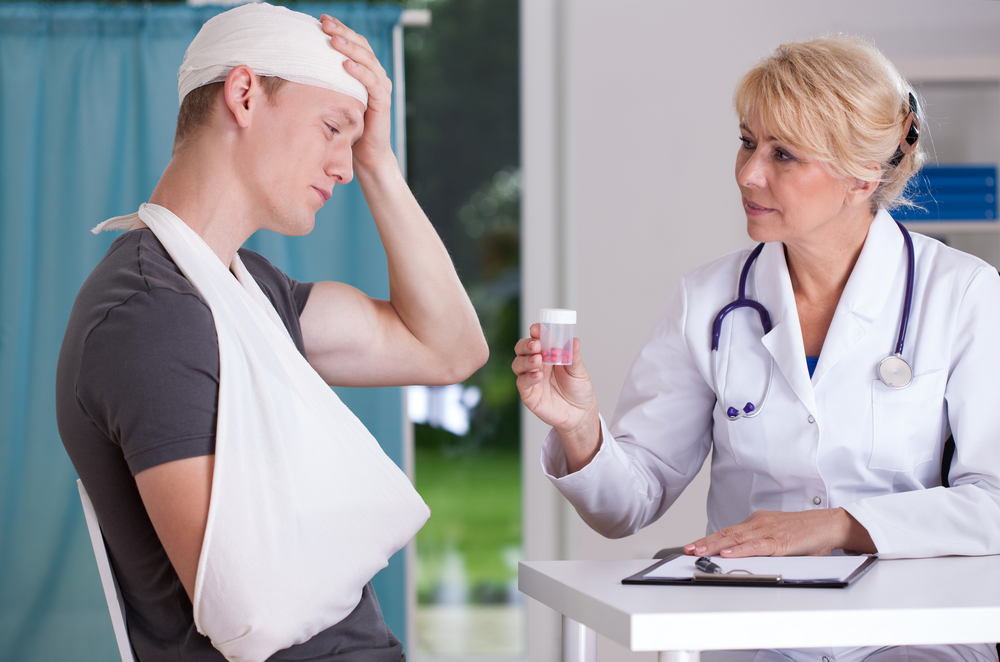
[463, 166]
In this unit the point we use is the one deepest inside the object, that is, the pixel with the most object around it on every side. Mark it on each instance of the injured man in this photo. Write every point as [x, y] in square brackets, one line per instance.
[244, 507]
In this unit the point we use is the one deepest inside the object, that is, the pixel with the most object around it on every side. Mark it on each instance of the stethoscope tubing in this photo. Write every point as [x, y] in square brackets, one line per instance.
[904, 319]
[892, 363]
[742, 302]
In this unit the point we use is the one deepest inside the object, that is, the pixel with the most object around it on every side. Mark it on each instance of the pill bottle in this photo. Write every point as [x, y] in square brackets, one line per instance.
[557, 335]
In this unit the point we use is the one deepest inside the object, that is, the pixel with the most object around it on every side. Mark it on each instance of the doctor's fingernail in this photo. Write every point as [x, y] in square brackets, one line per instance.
[688, 548]
[341, 40]
[726, 552]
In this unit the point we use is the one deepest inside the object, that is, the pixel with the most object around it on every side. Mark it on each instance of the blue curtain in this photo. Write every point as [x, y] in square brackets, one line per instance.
[88, 101]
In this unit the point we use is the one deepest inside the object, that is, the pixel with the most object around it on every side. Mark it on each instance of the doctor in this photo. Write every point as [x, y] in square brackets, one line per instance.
[818, 442]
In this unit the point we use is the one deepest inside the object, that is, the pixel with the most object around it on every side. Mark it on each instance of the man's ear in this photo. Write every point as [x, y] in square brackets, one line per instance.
[864, 188]
[240, 91]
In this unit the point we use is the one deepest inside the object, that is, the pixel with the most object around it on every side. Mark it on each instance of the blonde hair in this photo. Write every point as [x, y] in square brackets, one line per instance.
[842, 101]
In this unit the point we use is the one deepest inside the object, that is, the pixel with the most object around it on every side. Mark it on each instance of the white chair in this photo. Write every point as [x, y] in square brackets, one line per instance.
[116, 606]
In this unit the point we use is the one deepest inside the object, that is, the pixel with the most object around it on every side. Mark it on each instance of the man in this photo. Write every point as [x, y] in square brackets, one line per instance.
[138, 381]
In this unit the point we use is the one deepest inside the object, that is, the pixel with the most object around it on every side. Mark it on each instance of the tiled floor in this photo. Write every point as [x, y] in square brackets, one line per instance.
[469, 630]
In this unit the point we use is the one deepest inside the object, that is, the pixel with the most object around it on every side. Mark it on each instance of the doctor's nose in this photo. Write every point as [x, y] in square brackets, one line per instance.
[751, 172]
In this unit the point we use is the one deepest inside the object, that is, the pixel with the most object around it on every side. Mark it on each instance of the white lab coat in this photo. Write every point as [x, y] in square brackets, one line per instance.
[839, 439]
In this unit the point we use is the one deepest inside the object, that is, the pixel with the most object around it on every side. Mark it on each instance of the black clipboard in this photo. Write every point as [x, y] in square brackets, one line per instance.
[745, 579]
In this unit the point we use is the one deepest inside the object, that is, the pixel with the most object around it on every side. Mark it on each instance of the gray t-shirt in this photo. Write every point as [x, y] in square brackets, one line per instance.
[137, 386]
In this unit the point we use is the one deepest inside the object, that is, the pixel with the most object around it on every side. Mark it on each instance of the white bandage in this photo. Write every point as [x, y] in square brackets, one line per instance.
[272, 41]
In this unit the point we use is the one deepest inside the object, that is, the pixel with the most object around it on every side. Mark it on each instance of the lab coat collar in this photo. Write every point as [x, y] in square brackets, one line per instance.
[773, 286]
[866, 292]
[863, 299]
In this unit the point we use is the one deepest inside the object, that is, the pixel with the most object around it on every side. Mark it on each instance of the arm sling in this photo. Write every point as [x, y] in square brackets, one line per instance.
[305, 505]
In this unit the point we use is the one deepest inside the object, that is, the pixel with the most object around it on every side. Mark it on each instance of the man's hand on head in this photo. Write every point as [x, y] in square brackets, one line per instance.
[428, 331]
[374, 148]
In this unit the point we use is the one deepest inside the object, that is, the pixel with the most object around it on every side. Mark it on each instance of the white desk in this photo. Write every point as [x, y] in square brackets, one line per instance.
[951, 600]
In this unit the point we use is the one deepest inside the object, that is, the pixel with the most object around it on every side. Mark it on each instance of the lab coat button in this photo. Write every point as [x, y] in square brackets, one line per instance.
[826, 659]
[811, 419]
[817, 501]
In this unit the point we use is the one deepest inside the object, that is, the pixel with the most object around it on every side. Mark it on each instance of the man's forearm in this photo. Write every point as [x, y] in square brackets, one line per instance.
[424, 288]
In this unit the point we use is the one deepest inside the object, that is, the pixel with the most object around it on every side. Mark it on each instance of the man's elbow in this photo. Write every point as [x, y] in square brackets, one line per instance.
[472, 357]
[480, 356]
[460, 362]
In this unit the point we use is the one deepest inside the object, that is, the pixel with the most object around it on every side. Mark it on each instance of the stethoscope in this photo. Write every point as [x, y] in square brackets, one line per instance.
[893, 370]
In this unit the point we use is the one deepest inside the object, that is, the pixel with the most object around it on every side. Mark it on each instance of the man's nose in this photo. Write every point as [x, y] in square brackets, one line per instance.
[340, 166]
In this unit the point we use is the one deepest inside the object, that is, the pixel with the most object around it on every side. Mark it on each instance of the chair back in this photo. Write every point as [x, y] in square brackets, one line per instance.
[116, 606]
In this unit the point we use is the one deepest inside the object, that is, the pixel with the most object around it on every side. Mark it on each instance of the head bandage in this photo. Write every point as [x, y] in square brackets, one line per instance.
[272, 41]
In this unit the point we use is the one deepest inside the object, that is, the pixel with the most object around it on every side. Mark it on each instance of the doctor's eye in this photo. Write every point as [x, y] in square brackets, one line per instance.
[747, 143]
[333, 130]
[781, 155]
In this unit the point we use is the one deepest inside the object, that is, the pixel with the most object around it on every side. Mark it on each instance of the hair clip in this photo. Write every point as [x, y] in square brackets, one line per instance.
[914, 131]
[911, 133]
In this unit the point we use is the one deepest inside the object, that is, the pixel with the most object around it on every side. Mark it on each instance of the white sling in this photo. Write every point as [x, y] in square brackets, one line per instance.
[305, 505]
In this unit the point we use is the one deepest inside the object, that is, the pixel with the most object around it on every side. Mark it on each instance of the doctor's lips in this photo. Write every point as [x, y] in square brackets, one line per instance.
[326, 194]
[755, 210]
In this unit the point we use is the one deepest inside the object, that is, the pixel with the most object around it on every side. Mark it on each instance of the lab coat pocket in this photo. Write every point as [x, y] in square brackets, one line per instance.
[751, 441]
[907, 422]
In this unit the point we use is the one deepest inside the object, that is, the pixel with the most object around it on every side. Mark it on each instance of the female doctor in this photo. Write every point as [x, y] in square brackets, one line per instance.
[824, 368]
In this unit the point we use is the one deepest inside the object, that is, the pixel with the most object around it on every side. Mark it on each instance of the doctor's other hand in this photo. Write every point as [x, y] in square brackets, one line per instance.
[776, 533]
[561, 396]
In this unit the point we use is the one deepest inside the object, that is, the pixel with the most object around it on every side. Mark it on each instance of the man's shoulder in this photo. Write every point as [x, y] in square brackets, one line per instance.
[136, 288]
[137, 262]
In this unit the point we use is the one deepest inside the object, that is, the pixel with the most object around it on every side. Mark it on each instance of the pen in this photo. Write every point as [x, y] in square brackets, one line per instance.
[705, 563]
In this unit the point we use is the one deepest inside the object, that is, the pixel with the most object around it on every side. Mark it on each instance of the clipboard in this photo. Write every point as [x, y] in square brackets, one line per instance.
[800, 572]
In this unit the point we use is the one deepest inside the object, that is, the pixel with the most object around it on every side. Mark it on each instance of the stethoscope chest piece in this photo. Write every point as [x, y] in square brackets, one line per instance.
[895, 372]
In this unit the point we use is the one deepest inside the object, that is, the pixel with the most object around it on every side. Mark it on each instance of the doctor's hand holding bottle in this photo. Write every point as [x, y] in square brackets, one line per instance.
[561, 396]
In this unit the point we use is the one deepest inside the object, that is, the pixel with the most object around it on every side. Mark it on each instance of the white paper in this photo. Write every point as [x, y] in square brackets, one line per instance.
[791, 568]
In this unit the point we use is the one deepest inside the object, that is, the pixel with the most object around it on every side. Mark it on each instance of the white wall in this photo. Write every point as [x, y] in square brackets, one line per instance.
[629, 142]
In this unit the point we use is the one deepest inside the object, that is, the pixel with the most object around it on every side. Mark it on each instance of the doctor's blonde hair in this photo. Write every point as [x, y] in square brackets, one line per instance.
[842, 101]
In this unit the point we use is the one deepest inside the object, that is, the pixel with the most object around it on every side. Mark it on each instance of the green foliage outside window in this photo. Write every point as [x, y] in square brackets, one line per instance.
[463, 156]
